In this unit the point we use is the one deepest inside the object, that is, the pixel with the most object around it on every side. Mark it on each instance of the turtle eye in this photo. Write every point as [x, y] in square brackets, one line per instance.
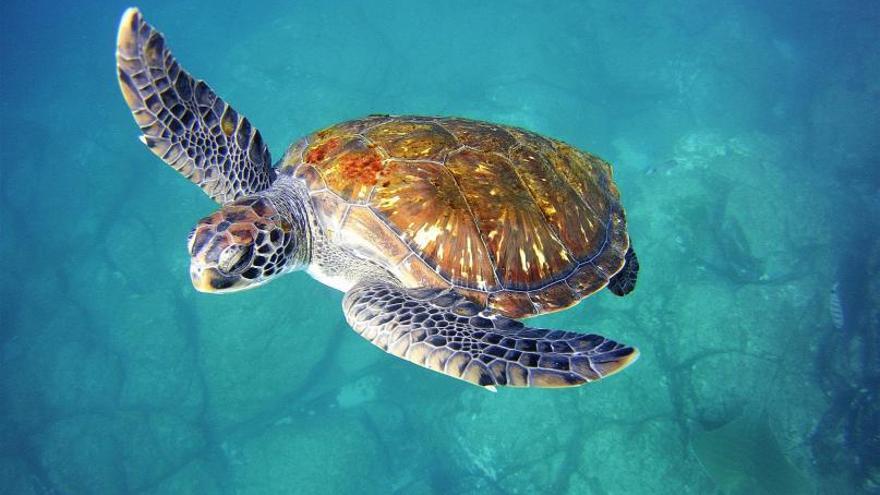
[234, 258]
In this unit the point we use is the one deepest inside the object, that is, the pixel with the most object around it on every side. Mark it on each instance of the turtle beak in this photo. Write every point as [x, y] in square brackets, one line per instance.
[209, 279]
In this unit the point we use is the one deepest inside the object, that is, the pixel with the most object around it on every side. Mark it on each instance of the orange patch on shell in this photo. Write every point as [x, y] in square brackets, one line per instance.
[318, 153]
[362, 166]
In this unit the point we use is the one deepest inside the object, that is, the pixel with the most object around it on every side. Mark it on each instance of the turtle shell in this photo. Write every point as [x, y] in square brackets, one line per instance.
[518, 222]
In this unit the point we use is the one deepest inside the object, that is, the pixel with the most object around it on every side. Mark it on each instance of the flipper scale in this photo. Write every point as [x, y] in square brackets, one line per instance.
[440, 331]
[184, 122]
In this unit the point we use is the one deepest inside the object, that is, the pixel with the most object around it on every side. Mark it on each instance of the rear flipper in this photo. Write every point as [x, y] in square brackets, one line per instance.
[443, 331]
[624, 281]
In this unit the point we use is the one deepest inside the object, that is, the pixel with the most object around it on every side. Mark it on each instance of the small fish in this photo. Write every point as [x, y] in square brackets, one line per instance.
[835, 307]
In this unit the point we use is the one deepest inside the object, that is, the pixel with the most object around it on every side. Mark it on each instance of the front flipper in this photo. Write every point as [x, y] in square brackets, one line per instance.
[183, 121]
[445, 332]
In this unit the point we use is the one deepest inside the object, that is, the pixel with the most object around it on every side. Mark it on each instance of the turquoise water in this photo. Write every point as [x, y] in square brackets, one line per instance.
[744, 139]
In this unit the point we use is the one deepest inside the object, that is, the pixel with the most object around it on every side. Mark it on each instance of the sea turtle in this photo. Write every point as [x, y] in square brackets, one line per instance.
[440, 231]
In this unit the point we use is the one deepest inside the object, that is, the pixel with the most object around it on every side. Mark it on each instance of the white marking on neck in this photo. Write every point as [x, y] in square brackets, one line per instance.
[338, 282]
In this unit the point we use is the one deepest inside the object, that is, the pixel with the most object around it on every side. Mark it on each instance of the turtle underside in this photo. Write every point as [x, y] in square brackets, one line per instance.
[514, 221]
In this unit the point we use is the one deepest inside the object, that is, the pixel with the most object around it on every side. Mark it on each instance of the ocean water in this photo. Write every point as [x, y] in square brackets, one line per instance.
[744, 137]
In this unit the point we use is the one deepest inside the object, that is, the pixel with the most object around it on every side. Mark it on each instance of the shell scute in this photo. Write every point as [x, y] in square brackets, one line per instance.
[566, 214]
[554, 297]
[480, 135]
[350, 165]
[294, 155]
[512, 303]
[323, 150]
[516, 234]
[412, 140]
[422, 202]
[313, 179]
[536, 141]
[587, 279]
[586, 176]
[415, 273]
[375, 241]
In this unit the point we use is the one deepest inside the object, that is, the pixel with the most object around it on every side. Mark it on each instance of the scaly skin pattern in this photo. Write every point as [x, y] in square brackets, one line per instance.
[443, 331]
[184, 122]
[252, 239]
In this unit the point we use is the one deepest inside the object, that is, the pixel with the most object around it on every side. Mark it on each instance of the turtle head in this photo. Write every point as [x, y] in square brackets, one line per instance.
[244, 244]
